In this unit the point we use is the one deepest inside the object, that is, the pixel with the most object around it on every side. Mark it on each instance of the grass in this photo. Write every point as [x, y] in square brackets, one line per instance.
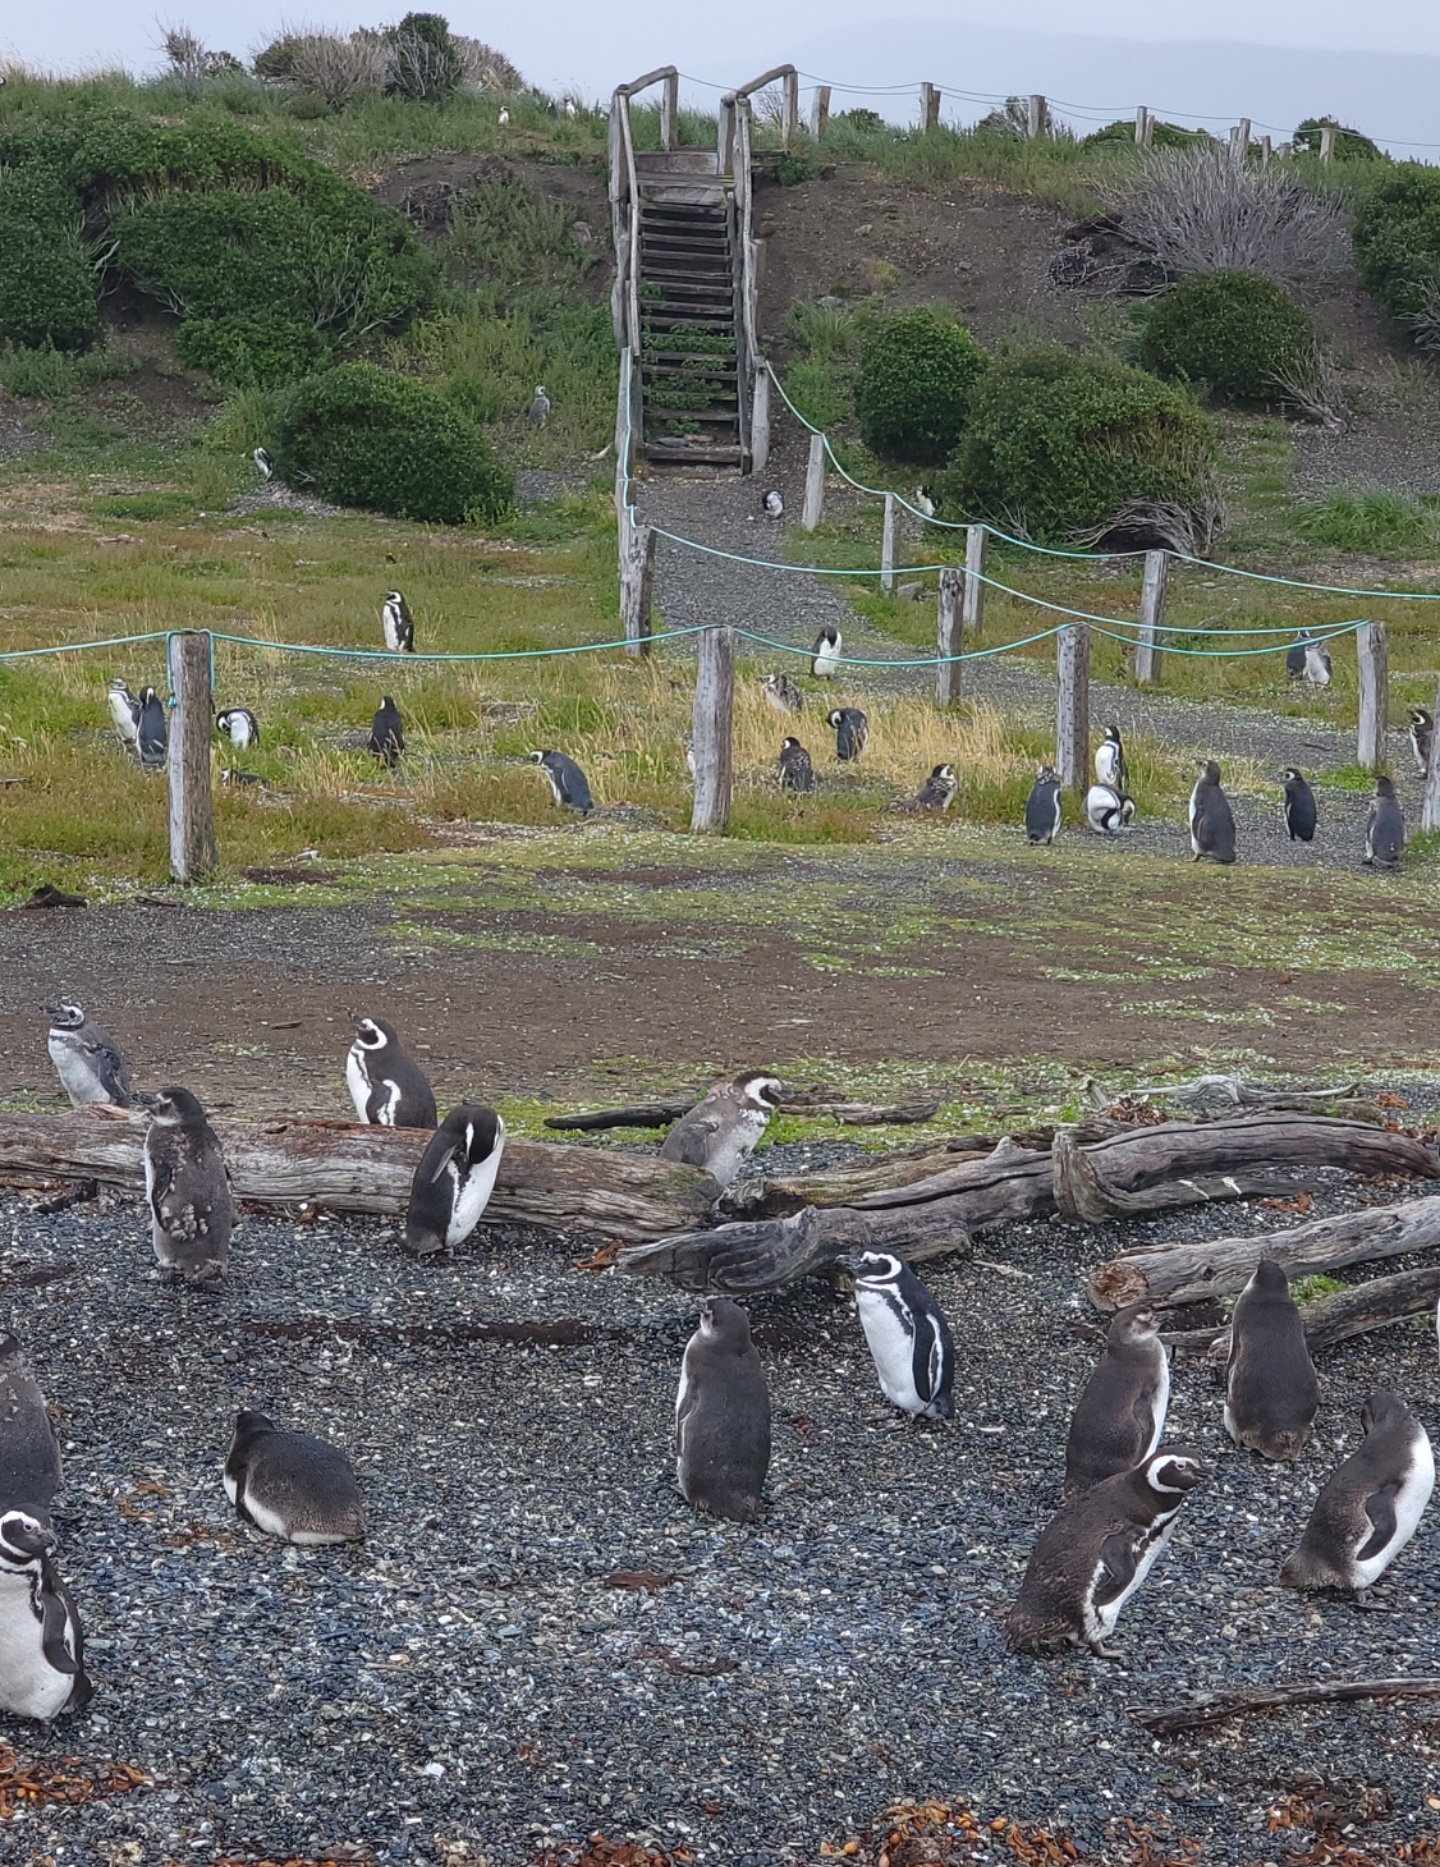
[1378, 521]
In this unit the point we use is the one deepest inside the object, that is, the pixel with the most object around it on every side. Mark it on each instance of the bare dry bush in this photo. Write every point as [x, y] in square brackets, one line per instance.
[482, 68]
[340, 69]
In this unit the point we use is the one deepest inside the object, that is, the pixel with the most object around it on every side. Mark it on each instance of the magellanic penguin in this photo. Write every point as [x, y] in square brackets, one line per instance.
[454, 1181]
[1043, 807]
[773, 504]
[187, 1187]
[387, 1088]
[908, 1338]
[938, 790]
[1212, 823]
[1318, 668]
[795, 770]
[923, 503]
[1110, 763]
[1299, 807]
[722, 1416]
[29, 1454]
[720, 1132]
[1120, 1418]
[398, 624]
[42, 1645]
[852, 731]
[125, 711]
[264, 465]
[87, 1059]
[1272, 1392]
[567, 782]
[1369, 1509]
[240, 726]
[292, 1485]
[783, 694]
[152, 735]
[1106, 810]
[1422, 737]
[1295, 656]
[1385, 830]
[1097, 1550]
[538, 412]
[387, 734]
[825, 653]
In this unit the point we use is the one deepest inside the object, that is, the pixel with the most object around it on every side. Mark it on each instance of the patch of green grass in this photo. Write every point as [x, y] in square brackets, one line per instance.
[1380, 521]
[51, 376]
[1310, 1289]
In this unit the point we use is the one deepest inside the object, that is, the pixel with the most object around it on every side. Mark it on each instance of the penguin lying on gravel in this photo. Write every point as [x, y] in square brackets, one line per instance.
[42, 1645]
[290, 1485]
[87, 1059]
[187, 1187]
[722, 1416]
[1119, 1419]
[938, 790]
[29, 1453]
[386, 1087]
[1272, 1392]
[1043, 807]
[720, 1132]
[1369, 1509]
[454, 1180]
[909, 1341]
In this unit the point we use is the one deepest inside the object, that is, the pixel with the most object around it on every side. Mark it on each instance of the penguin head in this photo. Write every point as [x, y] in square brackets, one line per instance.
[789, 743]
[872, 1267]
[65, 1016]
[1382, 1408]
[373, 1033]
[177, 1108]
[943, 774]
[1384, 787]
[1112, 735]
[24, 1540]
[1292, 776]
[758, 1089]
[1127, 809]
[1173, 1470]
[1046, 775]
[1269, 1279]
[1209, 771]
[479, 1127]
[1419, 716]
[117, 686]
[394, 596]
[251, 1424]
[835, 717]
[1138, 1323]
[387, 704]
[723, 1320]
[541, 758]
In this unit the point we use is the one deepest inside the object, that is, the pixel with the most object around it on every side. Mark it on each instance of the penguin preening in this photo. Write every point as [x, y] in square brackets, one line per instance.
[398, 624]
[720, 1132]
[239, 726]
[773, 504]
[1272, 1392]
[852, 731]
[1299, 807]
[1110, 763]
[796, 772]
[187, 1187]
[87, 1059]
[387, 734]
[1043, 807]
[938, 790]
[1422, 737]
[30, 1472]
[907, 1335]
[1385, 829]
[454, 1180]
[783, 694]
[292, 1485]
[1212, 823]
[1106, 810]
[722, 1416]
[1119, 1419]
[567, 782]
[825, 653]
[125, 711]
[42, 1644]
[1097, 1550]
[151, 734]
[1318, 668]
[387, 1088]
[1369, 1509]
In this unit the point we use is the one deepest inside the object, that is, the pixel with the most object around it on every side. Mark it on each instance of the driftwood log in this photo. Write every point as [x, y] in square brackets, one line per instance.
[351, 1168]
[1374, 1304]
[661, 1114]
[1165, 1723]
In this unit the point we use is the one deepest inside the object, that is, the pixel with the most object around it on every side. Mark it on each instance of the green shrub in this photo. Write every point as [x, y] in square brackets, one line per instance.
[916, 377]
[1234, 331]
[1377, 520]
[1061, 445]
[362, 436]
[1162, 136]
[252, 353]
[424, 62]
[1397, 237]
[50, 375]
[794, 166]
[1350, 145]
[47, 288]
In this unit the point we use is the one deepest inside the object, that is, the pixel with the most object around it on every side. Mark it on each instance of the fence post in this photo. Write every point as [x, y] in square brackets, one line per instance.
[1144, 127]
[1072, 708]
[1265, 152]
[1430, 812]
[1327, 144]
[929, 106]
[1240, 142]
[949, 637]
[1372, 659]
[711, 723]
[789, 108]
[887, 545]
[814, 483]
[760, 420]
[820, 112]
[1152, 617]
[972, 616]
[669, 109]
[637, 585]
[192, 720]
[1036, 116]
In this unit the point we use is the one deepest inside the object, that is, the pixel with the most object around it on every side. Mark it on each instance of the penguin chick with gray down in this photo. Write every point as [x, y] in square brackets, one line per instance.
[387, 1087]
[1299, 807]
[722, 1416]
[852, 731]
[1368, 1509]
[187, 1188]
[907, 1335]
[1272, 1391]
[1385, 828]
[720, 1132]
[29, 1453]
[1097, 1550]
[795, 770]
[938, 790]
[782, 693]
[568, 784]
[291, 1485]
[1212, 822]
[1043, 807]
[42, 1644]
[1119, 1419]
[1106, 811]
[87, 1059]
[454, 1180]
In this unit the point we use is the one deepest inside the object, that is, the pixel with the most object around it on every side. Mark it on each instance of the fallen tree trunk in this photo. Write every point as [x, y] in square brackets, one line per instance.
[661, 1114]
[1332, 1319]
[1165, 1723]
[636, 1115]
[351, 1168]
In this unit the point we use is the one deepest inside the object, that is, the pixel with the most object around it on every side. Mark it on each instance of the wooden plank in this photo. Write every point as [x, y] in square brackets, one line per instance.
[887, 544]
[1240, 142]
[972, 612]
[1430, 810]
[1152, 617]
[1072, 707]
[669, 110]
[1372, 659]
[929, 106]
[760, 420]
[1037, 116]
[820, 112]
[1144, 127]
[711, 728]
[949, 639]
[789, 106]
[637, 585]
[193, 853]
[814, 484]
[1327, 144]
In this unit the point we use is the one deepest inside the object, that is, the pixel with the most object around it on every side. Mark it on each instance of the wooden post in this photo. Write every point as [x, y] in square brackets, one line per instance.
[949, 637]
[1240, 142]
[972, 616]
[1372, 658]
[789, 108]
[1144, 127]
[192, 720]
[669, 109]
[820, 112]
[710, 730]
[1152, 617]
[760, 420]
[1327, 144]
[1036, 117]
[1072, 710]
[637, 585]
[814, 484]
[929, 106]
[1265, 152]
[887, 545]
[1430, 812]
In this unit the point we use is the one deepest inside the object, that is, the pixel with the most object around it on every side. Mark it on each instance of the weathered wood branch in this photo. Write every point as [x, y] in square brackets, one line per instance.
[634, 1115]
[660, 1114]
[1328, 1320]
[1166, 1722]
[350, 1168]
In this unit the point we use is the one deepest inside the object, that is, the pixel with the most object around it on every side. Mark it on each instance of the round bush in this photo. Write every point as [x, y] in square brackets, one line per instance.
[1163, 135]
[1234, 331]
[914, 386]
[1350, 145]
[47, 289]
[362, 436]
[1397, 238]
[1062, 445]
[252, 353]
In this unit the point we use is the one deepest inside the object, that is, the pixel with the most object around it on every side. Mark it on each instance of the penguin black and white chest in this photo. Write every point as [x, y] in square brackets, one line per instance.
[1272, 1392]
[1385, 829]
[1295, 656]
[1110, 765]
[1043, 806]
[398, 624]
[783, 694]
[125, 711]
[773, 504]
[1107, 811]
[1369, 1509]
[795, 769]
[1299, 807]
[722, 1416]
[387, 1088]
[42, 1645]
[240, 726]
[720, 1132]
[908, 1338]
[1421, 735]
[387, 734]
[1119, 1419]
[825, 653]
[1318, 668]
[292, 1485]
[454, 1180]
[938, 790]
[852, 731]
[1097, 1550]
[29, 1455]
[264, 465]
[151, 732]
[568, 784]
[87, 1059]
[187, 1187]
[1212, 822]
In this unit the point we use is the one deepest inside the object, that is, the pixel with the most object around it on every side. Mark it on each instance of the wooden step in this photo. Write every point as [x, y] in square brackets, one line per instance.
[723, 416]
[659, 373]
[704, 454]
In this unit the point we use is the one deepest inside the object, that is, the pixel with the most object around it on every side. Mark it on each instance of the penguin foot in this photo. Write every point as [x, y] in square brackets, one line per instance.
[1364, 1598]
[1103, 1652]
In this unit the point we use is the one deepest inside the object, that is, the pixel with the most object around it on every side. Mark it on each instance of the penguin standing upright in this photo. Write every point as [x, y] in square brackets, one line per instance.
[783, 694]
[87, 1059]
[1120, 1418]
[1369, 1509]
[1097, 1550]
[1318, 667]
[825, 653]
[1212, 822]
[387, 1088]
[1385, 829]
[722, 1416]
[387, 734]
[795, 769]
[29, 1454]
[240, 726]
[454, 1180]
[42, 1644]
[1106, 810]
[125, 711]
[187, 1187]
[938, 790]
[1299, 807]
[1043, 807]
[398, 624]
[152, 736]
[908, 1338]
[1110, 763]
[1422, 737]
[852, 731]
[1272, 1392]
[568, 783]
[292, 1485]
[1295, 656]
[720, 1132]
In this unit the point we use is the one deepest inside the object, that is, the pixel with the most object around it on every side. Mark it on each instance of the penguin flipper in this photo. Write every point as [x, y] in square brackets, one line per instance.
[1117, 1559]
[447, 1161]
[112, 1073]
[53, 1623]
[1380, 1509]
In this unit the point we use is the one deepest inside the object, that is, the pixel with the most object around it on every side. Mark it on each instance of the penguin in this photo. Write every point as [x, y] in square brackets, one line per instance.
[291, 1485]
[923, 503]
[454, 1181]
[264, 465]
[1212, 823]
[1422, 737]
[1299, 807]
[240, 727]
[1043, 806]
[1097, 1550]
[783, 694]
[1385, 830]
[938, 790]
[796, 771]
[1369, 1509]
[504, 117]
[1106, 810]
[908, 1338]
[722, 1416]
[151, 736]
[773, 505]
[1317, 664]
[1271, 1389]
[29, 1453]
[387, 734]
[825, 653]
[570, 111]
[1119, 1419]
[87, 1059]
[567, 781]
[687, 739]
[720, 1132]
[538, 412]
[1295, 656]
[387, 1089]
[125, 711]
[187, 1187]
[852, 731]
[1110, 765]
[398, 624]
[42, 1644]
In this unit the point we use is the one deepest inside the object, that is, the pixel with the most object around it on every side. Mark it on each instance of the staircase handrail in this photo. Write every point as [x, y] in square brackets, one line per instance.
[625, 194]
